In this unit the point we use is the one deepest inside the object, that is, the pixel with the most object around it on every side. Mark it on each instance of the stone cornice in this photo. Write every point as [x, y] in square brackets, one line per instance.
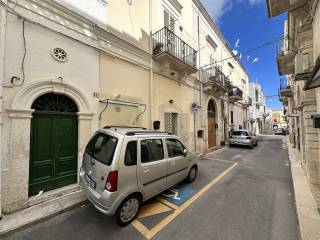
[20, 113]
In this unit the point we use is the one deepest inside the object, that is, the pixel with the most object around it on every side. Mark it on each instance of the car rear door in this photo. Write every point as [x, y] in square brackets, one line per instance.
[153, 166]
[177, 161]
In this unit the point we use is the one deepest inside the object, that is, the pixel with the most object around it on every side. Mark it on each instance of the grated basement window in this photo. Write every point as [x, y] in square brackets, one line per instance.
[170, 122]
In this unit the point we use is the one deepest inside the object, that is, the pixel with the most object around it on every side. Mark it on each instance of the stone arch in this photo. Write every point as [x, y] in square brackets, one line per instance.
[31, 91]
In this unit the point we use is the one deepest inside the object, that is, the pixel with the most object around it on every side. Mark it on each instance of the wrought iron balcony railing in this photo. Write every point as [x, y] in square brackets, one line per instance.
[285, 89]
[284, 46]
[247, 101]
[214, 75]
[166, 45]
[285, 56]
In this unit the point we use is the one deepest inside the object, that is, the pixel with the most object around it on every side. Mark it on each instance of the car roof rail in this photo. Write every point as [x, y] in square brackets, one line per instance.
[133, 133]
[120, 126]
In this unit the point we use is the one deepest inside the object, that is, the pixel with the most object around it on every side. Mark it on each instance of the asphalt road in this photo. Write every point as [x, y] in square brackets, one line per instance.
[240, 194]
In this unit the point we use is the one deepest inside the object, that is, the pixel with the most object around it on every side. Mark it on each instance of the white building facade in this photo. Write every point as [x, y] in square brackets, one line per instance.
[70, 67]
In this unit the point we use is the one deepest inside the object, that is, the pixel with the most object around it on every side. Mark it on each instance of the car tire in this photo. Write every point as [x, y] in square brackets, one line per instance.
[128, 210]
[192, 174]
[251, 146]
[230, 145]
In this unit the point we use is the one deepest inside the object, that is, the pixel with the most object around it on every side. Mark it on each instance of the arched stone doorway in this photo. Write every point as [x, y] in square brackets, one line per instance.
[212, 138]
[53, 143]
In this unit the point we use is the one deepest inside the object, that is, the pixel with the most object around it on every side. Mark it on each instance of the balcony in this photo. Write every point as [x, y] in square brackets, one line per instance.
[285, 88]
[284, 101]
[247, 101]
[169, 49]
[235, 94]
[214, 81]
[285, 56]
[277, 7]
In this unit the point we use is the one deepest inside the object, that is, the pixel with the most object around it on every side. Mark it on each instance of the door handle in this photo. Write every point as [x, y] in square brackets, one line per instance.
[146, 170]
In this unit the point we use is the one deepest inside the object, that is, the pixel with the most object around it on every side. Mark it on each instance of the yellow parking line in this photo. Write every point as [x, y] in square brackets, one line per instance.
[140, 227]
[148, 234]
[220, 160]
[165, 202]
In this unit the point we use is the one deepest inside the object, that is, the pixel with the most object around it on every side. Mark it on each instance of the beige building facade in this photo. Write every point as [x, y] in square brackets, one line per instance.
[298, 63]
[70, 67]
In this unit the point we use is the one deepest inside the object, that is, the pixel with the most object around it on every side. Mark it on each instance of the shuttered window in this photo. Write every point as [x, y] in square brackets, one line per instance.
[169, 21]
[170, 122]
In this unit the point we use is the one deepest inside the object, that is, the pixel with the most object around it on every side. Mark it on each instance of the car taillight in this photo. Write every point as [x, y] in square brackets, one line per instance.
[112, 181]
[248, 137]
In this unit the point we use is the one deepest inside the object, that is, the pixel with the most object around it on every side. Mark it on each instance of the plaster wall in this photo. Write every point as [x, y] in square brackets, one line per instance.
[77, 77]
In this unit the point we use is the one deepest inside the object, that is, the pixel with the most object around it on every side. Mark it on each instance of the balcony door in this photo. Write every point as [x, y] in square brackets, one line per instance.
[212, 139]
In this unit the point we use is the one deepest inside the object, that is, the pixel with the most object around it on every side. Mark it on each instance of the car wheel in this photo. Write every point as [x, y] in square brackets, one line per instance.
[192, 174]
[251, 146]
[128, 210]
[230, 145]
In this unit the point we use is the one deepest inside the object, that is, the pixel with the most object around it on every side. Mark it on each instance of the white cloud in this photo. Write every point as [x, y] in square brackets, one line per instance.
[217, 8]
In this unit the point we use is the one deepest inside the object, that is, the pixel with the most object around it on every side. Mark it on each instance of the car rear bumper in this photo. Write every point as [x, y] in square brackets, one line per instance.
[103, 202]
[242, 142]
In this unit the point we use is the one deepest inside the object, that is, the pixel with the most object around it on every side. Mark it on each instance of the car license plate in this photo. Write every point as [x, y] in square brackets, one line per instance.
[91, 182]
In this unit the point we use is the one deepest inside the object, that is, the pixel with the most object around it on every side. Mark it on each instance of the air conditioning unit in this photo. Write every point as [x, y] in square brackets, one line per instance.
[298, 63]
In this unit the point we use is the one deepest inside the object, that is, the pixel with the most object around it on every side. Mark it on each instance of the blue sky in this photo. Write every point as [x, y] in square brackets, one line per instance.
[248, 21]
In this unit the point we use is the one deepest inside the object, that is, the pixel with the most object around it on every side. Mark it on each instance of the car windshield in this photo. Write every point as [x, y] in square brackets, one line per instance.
[240, 133]
[102, 147]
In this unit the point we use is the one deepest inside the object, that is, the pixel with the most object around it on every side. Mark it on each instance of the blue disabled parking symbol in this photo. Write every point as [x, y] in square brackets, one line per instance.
[178, 194]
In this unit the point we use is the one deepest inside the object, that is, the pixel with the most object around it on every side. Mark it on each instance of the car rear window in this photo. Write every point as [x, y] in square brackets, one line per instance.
[102, 147]
[240, 133]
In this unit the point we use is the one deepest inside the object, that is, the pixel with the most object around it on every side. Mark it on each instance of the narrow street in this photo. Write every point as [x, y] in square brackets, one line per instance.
[240, 194]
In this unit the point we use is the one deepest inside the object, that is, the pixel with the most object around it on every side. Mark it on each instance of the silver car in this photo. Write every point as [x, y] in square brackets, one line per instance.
[123, 167]
[243, 137]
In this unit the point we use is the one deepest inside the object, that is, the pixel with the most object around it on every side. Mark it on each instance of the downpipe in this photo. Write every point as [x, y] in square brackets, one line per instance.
[3, 22]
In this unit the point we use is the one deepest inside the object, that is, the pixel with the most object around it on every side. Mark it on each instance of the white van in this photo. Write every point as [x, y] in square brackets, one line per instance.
[123, 167]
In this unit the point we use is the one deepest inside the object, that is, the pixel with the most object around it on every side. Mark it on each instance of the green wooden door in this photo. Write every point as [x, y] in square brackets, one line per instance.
[53, 151]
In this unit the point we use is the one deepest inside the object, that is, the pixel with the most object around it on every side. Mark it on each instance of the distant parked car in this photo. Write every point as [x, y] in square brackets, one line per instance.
[244, 138]
[123, 167]
[280, 131]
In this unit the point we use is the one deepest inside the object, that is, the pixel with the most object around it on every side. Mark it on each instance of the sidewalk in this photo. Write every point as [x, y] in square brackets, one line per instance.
[308, 216]
[40, 212]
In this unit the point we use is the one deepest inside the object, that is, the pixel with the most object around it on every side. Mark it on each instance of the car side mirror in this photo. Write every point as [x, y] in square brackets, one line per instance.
[185, 152]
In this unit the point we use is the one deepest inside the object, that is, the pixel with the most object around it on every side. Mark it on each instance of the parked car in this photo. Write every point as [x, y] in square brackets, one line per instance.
[243, 137]
[123, 167]
[280, 131]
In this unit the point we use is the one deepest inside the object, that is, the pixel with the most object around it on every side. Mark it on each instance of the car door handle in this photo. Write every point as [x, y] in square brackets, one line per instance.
[146, 170]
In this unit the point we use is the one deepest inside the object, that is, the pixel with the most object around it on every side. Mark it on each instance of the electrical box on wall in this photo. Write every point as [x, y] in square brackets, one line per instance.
[316, 120]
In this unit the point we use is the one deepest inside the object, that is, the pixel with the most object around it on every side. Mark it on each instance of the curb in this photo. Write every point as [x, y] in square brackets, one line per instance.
[306, 207]
[211, 153]
[41, 212]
